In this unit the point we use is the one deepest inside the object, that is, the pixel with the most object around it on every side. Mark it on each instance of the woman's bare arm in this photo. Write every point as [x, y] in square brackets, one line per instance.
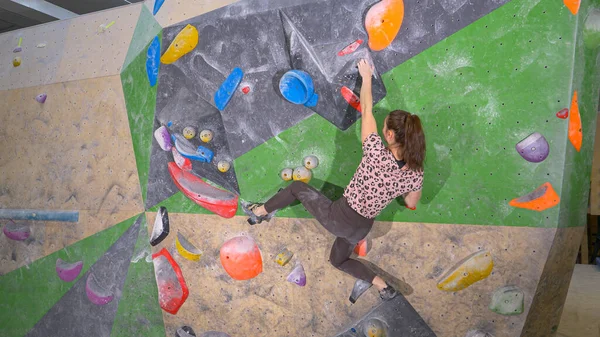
[368, 123]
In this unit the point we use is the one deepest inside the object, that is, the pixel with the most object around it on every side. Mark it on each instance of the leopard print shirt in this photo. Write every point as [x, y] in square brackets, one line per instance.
[378, 179]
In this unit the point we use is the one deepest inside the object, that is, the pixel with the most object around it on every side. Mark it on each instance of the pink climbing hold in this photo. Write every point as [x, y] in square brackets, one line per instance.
[16, 231]
[68, 271]
[351, 48]
[96, 293]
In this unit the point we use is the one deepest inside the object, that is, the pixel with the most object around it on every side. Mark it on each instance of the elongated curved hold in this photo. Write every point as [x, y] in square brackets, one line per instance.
[351, 48]
[190, 151]
[186, 248]
[157, 5]
[473, 268]
[241, 259]
[374, 328]
[228, 88]
[508, 300]
[218, 201]
[540, 199]
[163, 138]
[185, 41]
[383, 22]
[534, 148]
[284, 257]
[172, 289]
[351, 98]
[361, 248]
[153, 61]
[572, 5]
[297, 276]
[575, 134]
[359, 288]
[185, 331]
[96, 293]
[68, 271]
[16, 231]
[563, 113]
[161, 226]
[41, 98]
[181, 161]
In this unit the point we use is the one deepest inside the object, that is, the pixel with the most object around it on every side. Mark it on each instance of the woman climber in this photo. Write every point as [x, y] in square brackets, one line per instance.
[384, 173]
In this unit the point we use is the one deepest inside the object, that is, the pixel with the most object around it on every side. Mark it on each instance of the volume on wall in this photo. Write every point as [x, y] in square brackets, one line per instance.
[154, 122]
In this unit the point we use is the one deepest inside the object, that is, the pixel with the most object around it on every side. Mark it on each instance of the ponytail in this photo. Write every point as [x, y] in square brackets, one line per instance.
[409, 134]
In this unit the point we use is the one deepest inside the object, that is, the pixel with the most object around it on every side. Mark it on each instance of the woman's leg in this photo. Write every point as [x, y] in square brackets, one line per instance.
[315, 203]
[340, 258]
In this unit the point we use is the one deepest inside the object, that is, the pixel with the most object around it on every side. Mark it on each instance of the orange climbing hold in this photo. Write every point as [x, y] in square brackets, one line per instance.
[383, 23]
[361, 248]
[575, 135]
[542, 198]
[241, 258]
[572, 5]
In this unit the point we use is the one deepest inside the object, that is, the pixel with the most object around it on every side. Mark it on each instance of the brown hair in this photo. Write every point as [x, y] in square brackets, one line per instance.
[409, 134]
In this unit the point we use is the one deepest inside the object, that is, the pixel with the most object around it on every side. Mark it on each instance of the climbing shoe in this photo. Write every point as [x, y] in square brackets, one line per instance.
[388, 293]
[253, 218]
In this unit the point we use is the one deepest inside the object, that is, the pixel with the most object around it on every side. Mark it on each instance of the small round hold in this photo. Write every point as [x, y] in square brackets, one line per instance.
[311, 162]
[223, 166]
[189, 132]
[41, 98]
[286, 174]
[302, 174]
[17, 61]
[206, 136]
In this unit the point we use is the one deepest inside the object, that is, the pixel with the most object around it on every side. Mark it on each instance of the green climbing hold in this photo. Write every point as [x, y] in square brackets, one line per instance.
[508, 301]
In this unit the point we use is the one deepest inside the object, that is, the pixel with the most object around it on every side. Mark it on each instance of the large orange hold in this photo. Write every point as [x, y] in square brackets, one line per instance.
[575, 134]
[383, 23]
[572, 5]
[361, 248]
[542, 198]
[241, 258]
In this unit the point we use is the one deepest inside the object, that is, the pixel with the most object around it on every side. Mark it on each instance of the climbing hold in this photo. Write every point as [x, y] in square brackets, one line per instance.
[185, 41]
[297, 275]
[104, 27]
[241, 258]
[359, 288]
[223, 166]
[508, 300]
[41, 45]
[361, 248]
[297, 87]
[383, 23]
[214, 334]
[374, 328]
[351, 48]
[302, 174]
[227, 88]
[563, 113]
[96, 293]
[286, 174]
[311, 162]
[185, 331]
[163, 138]
[68, 271]
[16, 231]
[153, 61]
[18, 48]
[187, 249]
[284, 257]
[534, 148]
[246, 89]
[572, 5]
[157, 5]
[218, 201]
[206, 136]
[351, 98]
[188, 150]
[189, 132]
[575, 134]
[182, 162]
[41, 98]
[473, 268]
[172, 289]
[540, 199]
[16, 61]
[161, 226]
[478, 333]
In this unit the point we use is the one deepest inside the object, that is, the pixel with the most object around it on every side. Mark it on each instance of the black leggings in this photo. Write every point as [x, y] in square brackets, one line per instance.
[337, 217]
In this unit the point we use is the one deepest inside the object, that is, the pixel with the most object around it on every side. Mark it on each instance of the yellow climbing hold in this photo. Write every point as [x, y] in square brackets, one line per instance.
[16, 61]
[473, 268]
[184, 42]
[186, 249]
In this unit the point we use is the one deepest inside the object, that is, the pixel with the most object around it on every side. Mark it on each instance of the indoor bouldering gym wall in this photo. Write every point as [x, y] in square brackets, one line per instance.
[137, 133]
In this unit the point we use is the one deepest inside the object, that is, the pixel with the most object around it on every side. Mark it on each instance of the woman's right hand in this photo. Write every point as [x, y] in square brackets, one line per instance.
[364, 68]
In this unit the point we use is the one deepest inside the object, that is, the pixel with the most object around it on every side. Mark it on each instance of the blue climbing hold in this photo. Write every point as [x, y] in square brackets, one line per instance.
[227, 89]
[190, 151]
[153, 61]
[157, 5]
[297, 87]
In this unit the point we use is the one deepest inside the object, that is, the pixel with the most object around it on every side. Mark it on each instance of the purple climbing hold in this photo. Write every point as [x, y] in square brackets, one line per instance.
[68, 271]
[534, 148]
[96, 293]
[163, 138]
[16, 231]
[297, 276]
[41, 98]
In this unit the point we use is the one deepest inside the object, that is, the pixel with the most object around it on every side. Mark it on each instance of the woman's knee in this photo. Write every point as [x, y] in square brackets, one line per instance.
[336, 261]
[298, 185]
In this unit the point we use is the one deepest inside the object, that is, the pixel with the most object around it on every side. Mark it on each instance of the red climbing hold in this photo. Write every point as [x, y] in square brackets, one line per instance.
[351, 98]
[351, 48]
[564, 113]
[361, 248]
[241, 258]
[172, 290]
[246, 89]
